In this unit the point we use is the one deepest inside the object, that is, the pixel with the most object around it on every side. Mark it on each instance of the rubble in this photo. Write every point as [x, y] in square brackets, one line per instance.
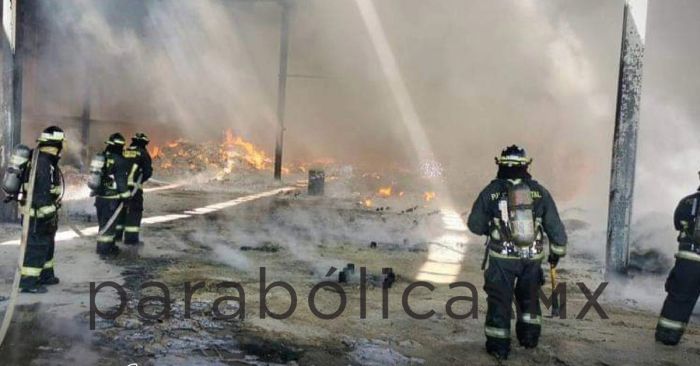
[176, 336]
[649, 261]
[379, 353]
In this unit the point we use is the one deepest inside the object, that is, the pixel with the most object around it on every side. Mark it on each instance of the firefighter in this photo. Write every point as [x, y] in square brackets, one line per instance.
[141, 171]
[38, 268]
[514, 212]
[109, 180]
[683, 283]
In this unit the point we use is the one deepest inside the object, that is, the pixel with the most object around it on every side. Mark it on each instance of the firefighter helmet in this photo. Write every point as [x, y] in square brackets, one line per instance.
[116, 139]
[52, 135]
[141, 137]
[513, 156]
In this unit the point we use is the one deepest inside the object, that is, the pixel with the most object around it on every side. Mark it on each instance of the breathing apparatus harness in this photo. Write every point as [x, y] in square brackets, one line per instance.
[16, 176]
[16, 173]
[517, 233]
[689, 238]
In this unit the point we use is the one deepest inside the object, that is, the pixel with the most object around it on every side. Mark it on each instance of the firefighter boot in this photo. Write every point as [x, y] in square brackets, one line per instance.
[31, 285]
[48, 277]
[668, 337]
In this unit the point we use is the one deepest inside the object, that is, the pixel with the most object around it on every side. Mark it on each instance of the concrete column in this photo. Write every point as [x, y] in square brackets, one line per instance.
[625, 138]
[11, 98]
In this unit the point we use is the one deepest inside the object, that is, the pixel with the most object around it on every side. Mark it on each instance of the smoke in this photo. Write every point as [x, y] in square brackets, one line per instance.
[481, 75]
[196, 68]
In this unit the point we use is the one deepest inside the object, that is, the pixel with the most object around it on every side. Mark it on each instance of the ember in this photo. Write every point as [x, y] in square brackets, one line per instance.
[385, 192]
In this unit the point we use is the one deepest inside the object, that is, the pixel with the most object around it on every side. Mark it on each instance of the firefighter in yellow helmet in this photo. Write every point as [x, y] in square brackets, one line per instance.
[109, 172]
[141, 171]
[515, 212]
[38, 267]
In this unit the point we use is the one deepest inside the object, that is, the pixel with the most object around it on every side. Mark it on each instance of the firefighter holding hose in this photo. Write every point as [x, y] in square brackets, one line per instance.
[141, 171]
[515, 212]
[683, 283]
[109, 178]
[41, 175]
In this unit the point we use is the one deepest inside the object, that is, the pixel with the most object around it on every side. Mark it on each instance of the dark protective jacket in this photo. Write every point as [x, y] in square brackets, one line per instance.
[684, 220]
[485, 210]
[47, 185]
[115, 176]
[142, 165]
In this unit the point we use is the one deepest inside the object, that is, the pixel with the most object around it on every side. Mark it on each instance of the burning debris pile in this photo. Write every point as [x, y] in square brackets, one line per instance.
[232, 154]
[386, 193]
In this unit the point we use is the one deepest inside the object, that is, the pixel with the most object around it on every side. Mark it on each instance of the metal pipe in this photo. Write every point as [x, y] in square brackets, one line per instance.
[85, 132]
[282, 88]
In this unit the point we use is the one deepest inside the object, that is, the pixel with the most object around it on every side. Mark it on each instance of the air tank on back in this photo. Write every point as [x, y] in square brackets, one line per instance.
[15, 172]
[520, 212]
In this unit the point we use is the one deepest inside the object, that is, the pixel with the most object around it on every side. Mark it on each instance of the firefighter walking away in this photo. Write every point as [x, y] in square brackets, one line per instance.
[109, 174]
[38, 267]
[515, 212]
[683, 283]
[141, 172]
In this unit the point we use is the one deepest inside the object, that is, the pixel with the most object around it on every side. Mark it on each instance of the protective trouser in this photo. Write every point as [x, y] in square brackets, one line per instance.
[38, 257]
[119, 225]
[504, 278]
[132, 223]
[48, 273]
[683, 288]
[106, 207]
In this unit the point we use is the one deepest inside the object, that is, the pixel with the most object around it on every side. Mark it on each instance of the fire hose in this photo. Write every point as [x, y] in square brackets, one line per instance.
[119, 209]
[10, 310]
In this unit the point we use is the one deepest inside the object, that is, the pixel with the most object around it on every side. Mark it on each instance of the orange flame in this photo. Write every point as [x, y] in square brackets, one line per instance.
[174, 144]
[254, 156]
[225, 156]
[367, 202]
[155, 152]
[429, 196]
[385, 191]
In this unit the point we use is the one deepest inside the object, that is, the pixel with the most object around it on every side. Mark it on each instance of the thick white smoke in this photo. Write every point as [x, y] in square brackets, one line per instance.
[482, 75]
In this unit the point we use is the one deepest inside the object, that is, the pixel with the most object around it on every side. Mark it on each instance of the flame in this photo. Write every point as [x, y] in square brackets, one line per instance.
[429, 196]
[367, 202]
[228, 155]
[155, 152]
[174, 144]
[254, 156]
[385, 191]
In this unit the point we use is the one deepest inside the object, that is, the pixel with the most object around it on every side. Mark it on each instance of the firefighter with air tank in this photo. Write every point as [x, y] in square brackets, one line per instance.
[515, 212]
[110, 180]
[683, 283]
[41, 175]
[141, 171]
